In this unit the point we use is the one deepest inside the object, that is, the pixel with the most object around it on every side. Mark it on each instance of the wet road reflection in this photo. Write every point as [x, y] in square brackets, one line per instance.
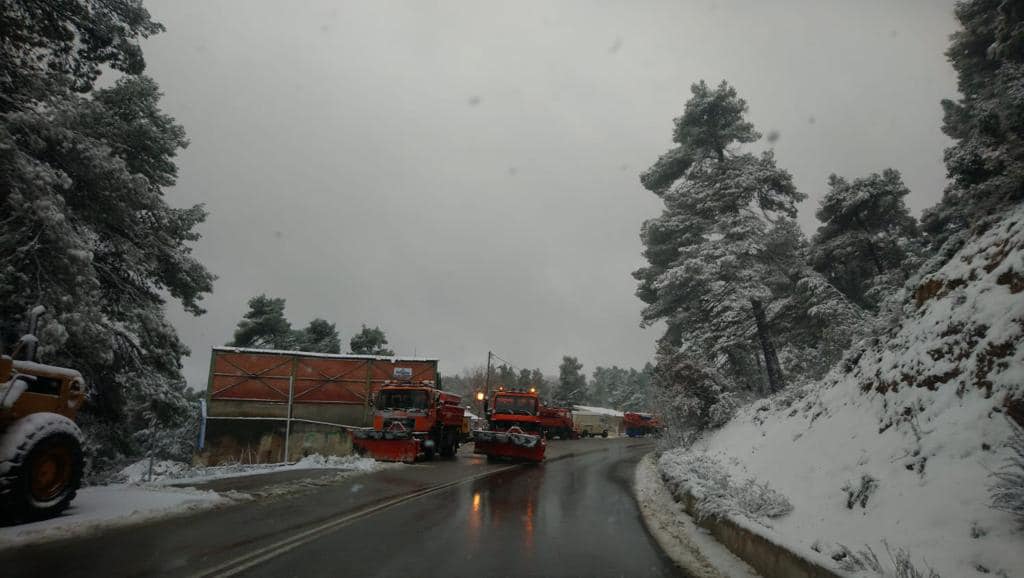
[572, 517]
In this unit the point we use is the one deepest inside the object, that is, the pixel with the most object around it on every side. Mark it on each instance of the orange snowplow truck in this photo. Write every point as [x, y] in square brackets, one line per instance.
[641, 424]
[409, 420]
[556, 422]
[513, 427]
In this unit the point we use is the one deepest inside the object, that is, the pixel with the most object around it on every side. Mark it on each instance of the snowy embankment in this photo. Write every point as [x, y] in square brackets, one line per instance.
[891, 457]
[136, 501]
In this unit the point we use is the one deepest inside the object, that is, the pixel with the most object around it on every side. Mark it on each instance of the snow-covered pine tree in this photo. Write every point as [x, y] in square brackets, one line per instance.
[709, 272]
[572, 383]
[868, 243]
[691, 397]
[604, 383]
[61, 46]
[985, 165]
[814, 322]
[633, 392]
[319, 336]
[87, 231]
[264, 325]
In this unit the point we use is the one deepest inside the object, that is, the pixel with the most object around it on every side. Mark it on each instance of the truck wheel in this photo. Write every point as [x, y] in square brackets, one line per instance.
[44, 471]
[604, 434]
[449, 445]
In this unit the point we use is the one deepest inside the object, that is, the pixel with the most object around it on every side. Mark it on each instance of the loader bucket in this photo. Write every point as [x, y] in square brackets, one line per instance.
[386, 446]
[512, 444]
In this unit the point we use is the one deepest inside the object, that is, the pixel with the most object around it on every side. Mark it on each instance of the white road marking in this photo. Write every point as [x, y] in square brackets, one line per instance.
[247, 561]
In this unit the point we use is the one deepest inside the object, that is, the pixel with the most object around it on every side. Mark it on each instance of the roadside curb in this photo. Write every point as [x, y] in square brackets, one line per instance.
[767, 558]
[678, 535]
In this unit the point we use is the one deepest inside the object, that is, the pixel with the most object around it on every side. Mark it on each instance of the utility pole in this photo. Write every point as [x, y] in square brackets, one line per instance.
[487, 384]
[487, 377]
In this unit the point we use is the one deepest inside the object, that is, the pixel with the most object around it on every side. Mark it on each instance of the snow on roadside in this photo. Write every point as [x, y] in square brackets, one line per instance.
[103, 507]
[134, 500]
[896, 448]
[167, 472]
[689, 545]
[827, 464]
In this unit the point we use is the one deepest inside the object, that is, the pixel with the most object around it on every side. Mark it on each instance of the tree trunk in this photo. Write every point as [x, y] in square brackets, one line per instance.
[771, 360]
[870, 246]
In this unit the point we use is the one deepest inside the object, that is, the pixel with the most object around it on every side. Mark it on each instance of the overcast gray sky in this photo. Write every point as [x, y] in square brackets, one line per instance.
[464, 174]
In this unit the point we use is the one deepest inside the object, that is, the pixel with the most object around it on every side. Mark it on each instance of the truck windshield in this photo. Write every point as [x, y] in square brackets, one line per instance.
[402, 399]
[515, 405]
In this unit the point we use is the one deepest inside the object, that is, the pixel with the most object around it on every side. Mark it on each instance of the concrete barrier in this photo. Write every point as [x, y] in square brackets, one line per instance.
[769, 559]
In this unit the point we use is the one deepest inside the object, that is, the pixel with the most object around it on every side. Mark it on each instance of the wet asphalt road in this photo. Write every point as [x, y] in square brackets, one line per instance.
[574, 515]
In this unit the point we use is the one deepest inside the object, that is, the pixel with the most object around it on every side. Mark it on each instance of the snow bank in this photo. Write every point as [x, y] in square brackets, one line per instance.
[110, 506]
[896, 449]
[167, 472]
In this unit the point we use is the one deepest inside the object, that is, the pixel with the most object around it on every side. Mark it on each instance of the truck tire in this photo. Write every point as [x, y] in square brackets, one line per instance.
[43, 471]
[604, 433]
[449, 444]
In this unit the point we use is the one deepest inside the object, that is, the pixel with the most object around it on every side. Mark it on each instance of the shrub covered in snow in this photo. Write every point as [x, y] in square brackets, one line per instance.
[1008, 489]
[717, 495]
[692, 397]
[858, 493]
[902, 566]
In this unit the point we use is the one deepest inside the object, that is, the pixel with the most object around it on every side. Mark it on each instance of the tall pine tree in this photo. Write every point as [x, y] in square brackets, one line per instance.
[572, 383]
[709, 270]
[985, 165]
[868, 243]
[88, 231]
[370, 342]
[264, 325]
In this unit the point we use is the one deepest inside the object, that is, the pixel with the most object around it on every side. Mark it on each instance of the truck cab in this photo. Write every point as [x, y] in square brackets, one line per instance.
[514, 430]
[515, 408]
[410, 419]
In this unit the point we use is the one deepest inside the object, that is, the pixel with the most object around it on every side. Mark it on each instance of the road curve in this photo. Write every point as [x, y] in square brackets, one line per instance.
[572, 516]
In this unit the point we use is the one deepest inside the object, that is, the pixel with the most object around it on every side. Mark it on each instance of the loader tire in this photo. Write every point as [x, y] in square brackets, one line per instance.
[44, 471]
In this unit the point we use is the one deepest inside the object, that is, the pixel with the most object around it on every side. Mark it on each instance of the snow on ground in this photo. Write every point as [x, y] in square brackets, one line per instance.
[898, 446]
[110, 506]
[689, 545]
[167, 472]
[135, 500]
[597, 410]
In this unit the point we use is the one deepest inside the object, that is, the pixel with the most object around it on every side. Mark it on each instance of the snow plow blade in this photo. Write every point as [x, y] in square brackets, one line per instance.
[384, 447]
[515, 445]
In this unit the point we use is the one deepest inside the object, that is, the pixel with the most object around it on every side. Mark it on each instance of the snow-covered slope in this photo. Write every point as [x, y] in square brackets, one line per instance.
[899, 443]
